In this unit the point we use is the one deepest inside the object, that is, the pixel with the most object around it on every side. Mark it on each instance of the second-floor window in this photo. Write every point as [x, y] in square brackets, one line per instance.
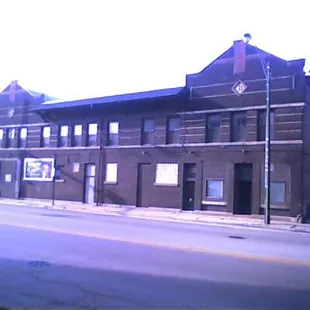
[213, 128]
[10, 137]
[173, 130]
[1, 137]
[113, 136]
[46, 136]
[63, 136]
[92, 134]
[77, 135]
[261, 125]
[22, 140]
[148, 132]
[238, 127]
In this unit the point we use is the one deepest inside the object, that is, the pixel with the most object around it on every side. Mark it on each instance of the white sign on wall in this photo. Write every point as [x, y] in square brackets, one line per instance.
[167, 174]
[8, 178]
[111, 173]
[76, 167]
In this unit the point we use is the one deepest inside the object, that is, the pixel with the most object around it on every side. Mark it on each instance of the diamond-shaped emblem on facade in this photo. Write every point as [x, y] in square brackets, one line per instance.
[239, 88]
[11, 112]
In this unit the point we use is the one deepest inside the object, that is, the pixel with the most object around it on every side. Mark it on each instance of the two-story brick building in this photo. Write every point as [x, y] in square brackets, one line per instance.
[199, 147]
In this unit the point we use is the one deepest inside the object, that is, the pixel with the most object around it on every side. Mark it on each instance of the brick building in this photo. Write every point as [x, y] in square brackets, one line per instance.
[197, 147]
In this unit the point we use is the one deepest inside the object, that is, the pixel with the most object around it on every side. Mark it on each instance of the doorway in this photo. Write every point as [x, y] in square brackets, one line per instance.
[189, 185]
[243, 189]
[144, 188]
[89, 183]
[9, 178]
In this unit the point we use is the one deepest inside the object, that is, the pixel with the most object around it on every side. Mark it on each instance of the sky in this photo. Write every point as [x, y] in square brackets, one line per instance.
[84, 48]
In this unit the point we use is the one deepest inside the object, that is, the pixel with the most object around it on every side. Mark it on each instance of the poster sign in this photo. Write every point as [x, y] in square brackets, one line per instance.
[76, 167]
[38, 169]
[8, 178]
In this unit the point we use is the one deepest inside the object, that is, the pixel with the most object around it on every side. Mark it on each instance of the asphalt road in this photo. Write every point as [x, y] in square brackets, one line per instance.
[55, 259]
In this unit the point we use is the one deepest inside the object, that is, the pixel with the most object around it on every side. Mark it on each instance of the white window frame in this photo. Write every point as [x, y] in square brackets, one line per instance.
[78, 130]
[222, 188]
[113, 127]
[23, 133]
[92, 129]
[167, 174]
[11, 134]
[64, 130]
[46, 132]
[111, 173]
[1, 134]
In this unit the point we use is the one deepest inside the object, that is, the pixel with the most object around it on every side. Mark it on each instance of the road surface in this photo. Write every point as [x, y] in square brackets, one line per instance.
[59, 259]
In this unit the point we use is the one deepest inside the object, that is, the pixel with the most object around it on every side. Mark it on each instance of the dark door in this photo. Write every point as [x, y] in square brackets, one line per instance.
[243, 189]
[89, 183]
[189, 185]
[9, 178]
[189, 195]
[144, 188]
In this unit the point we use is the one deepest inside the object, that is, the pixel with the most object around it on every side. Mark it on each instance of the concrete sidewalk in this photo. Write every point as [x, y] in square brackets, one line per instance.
[198, 217]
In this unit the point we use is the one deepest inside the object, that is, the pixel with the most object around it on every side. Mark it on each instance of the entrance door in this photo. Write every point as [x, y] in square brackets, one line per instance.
[89, 183]
[144, 188]
[243, 189]
[189, 195]
[9, 178]
[189, 185]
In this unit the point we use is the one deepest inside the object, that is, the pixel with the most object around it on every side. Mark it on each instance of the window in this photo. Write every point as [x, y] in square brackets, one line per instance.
[213, 128]
[173, 132]
[148, 131]
[45, 136]
[10, 137]
[277, 192]
[63, 136]
[58, 172]
[1, 137]
[77, 135]
[22, 142]
[214, 189]
[238, 127]
[113, 129]
[261, 130]
[167, 174]
[92, 134]
[111, 173]
[189, 171]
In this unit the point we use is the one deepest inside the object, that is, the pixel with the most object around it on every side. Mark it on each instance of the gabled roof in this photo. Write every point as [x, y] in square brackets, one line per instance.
[146, 95]
[20, 89]
[250, 50]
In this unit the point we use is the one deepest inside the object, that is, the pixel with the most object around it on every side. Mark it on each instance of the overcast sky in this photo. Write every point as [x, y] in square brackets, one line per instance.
[84, 48]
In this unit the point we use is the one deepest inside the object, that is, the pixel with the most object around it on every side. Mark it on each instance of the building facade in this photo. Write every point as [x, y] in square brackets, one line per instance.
[197, 147]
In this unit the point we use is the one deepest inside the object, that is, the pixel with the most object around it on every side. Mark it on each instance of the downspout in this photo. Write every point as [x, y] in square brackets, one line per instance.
[303, 206]
[99, 181]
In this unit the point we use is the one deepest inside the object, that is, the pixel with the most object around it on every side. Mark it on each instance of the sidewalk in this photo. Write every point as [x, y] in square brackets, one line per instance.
[198, 217]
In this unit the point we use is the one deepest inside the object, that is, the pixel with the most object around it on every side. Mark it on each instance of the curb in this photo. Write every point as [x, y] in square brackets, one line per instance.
[169, 217]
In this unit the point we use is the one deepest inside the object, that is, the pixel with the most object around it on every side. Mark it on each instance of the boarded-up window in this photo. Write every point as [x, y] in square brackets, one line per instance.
[238, 127]
[261, 126]
[113, 133]
[77, 135]
[45, 136]
[148, 131]
[213, 128]
[167, 174]
[173, 130]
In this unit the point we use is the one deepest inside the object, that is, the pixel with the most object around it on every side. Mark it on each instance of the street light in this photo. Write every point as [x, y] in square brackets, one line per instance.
[267, 73]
